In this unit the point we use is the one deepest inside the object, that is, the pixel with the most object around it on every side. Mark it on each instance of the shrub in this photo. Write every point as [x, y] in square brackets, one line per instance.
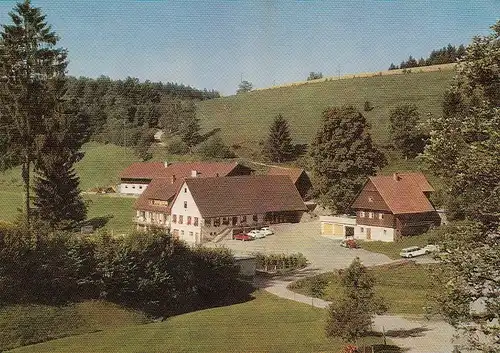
[276, 262]
[176, 146]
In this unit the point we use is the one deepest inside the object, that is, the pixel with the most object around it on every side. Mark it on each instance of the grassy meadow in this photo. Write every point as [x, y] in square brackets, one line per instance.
[244, 119]
[264, 324]
[392, 284]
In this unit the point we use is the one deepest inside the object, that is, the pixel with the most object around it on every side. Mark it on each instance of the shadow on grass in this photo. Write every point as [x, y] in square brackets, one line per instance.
[413, 332]
[97, 222]
[385, 348]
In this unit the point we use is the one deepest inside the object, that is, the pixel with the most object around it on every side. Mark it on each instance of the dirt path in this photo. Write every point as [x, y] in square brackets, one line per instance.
[414, 336]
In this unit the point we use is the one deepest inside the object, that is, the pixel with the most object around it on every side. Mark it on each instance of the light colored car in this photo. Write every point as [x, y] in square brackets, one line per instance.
[412, 251]
[256, 234]
[430, 248]
[266, 231]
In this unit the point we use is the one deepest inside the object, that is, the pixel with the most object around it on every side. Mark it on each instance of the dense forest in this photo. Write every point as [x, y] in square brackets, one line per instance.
[445, 55]
[123, 111]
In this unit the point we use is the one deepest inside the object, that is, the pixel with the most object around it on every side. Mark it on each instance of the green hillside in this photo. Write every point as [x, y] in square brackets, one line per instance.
[244, 119]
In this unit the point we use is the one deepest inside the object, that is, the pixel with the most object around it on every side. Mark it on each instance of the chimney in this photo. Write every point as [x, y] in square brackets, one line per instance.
[396, 177]
[166, 164]
[173, 178]
[194, 174]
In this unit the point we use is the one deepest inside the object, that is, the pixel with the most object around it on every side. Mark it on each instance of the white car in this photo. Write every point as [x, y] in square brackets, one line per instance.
[266, 231]
[412, 251]
[256, 234]
[430, 248]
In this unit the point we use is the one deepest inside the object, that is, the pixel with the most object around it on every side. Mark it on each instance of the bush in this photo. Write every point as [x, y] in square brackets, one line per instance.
[149, 271]
[277, 262]
[214, 148]
[176, 146]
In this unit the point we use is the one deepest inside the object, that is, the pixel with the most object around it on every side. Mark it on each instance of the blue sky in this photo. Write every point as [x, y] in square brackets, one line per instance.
[212, 44]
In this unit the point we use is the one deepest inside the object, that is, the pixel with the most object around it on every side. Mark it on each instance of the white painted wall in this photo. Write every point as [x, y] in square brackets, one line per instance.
[377, 233]
[132, 189]
[178, 209]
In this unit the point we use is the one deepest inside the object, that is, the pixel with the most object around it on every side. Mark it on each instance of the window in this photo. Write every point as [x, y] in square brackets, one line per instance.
[185, 190]
[140, 187]
[362, 214]
[190, 234]
[185, 204]
[243, 219]
[126, 186]
[180, 219]
[385, 232]
[208, 222]
[195, 221]
[370, 199]
[255, 218]
[196, 234]
[216, 222]
[370, 214]
[380, 216]
[174, 218]
[182, 232]
[362, 229]
[188, 220]
[133, 187]
[225, 221]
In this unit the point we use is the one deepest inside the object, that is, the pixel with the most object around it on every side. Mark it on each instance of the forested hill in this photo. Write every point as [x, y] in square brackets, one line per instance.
[119, 111]
[445, 55]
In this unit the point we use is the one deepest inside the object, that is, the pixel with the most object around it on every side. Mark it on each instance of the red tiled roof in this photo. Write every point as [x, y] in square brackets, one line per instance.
[293, 173]
[142, 170]
[404, 195]
[245, 195]
[164, 183]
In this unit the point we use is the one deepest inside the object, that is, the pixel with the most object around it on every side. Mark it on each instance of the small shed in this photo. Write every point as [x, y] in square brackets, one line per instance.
[338, 226]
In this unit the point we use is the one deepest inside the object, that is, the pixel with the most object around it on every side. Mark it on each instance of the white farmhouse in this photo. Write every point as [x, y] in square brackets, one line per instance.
[206, 207]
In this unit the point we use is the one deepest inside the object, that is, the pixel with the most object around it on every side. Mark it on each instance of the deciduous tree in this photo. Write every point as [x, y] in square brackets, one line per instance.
[406, 133]
[351, 317]
[343, 157]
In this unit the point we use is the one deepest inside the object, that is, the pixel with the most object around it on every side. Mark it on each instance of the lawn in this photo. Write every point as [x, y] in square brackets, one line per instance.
[404, 288]
[28, 324]
[244, 119]
[392, 249]
[265, 324]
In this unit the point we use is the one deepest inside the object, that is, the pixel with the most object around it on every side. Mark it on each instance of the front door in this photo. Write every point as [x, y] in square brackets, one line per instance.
[368, 234]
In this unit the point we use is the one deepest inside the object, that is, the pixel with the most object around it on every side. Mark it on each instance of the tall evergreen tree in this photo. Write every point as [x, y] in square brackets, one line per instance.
[278, 146]
[343, 156]
[57, 194]
[30, 60]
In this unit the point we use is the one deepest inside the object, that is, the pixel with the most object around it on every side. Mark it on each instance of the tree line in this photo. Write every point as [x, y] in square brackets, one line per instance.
[445, 55]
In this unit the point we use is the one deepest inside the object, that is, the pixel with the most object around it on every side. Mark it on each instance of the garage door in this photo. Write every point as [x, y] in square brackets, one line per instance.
[327, 229]
[338, 230]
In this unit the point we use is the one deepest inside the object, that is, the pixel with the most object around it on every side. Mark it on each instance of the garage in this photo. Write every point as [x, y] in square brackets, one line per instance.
[337, 226]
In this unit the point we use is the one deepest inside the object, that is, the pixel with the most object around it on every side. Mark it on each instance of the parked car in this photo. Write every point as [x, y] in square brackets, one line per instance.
[349, 243]
[266, 231]
[430, 248]
[412, 251]
[256, 234]
[242, 236]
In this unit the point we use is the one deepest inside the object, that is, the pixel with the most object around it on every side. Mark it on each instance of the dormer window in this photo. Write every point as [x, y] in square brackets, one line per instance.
[362, 214]
[370, 199]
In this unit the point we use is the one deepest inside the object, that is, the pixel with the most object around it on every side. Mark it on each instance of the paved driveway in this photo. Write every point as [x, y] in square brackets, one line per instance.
[324, 254]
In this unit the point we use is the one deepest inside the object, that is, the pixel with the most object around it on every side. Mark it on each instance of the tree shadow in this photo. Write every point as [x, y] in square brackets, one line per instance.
[209, 134]
[402, 333]
[386, 348]
[96, 222]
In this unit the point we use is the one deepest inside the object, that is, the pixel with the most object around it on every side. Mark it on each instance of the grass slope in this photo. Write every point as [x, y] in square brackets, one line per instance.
[394, 248]
[244, 119]
[404, 288]
[265, 324]
[29, 324]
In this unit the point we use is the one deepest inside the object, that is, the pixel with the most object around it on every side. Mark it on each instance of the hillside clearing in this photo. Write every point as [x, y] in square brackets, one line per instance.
[244, 119]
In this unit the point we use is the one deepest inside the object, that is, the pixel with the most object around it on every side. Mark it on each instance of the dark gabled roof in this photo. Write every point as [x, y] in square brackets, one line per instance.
[142, 170]
[402, 193]
[293, 173]
[244, 195]
[158, 189]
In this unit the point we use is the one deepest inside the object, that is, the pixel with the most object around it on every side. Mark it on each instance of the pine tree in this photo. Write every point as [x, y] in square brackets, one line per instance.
[278, 146]
[58, 200]
[30, 60]
[343, 157]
